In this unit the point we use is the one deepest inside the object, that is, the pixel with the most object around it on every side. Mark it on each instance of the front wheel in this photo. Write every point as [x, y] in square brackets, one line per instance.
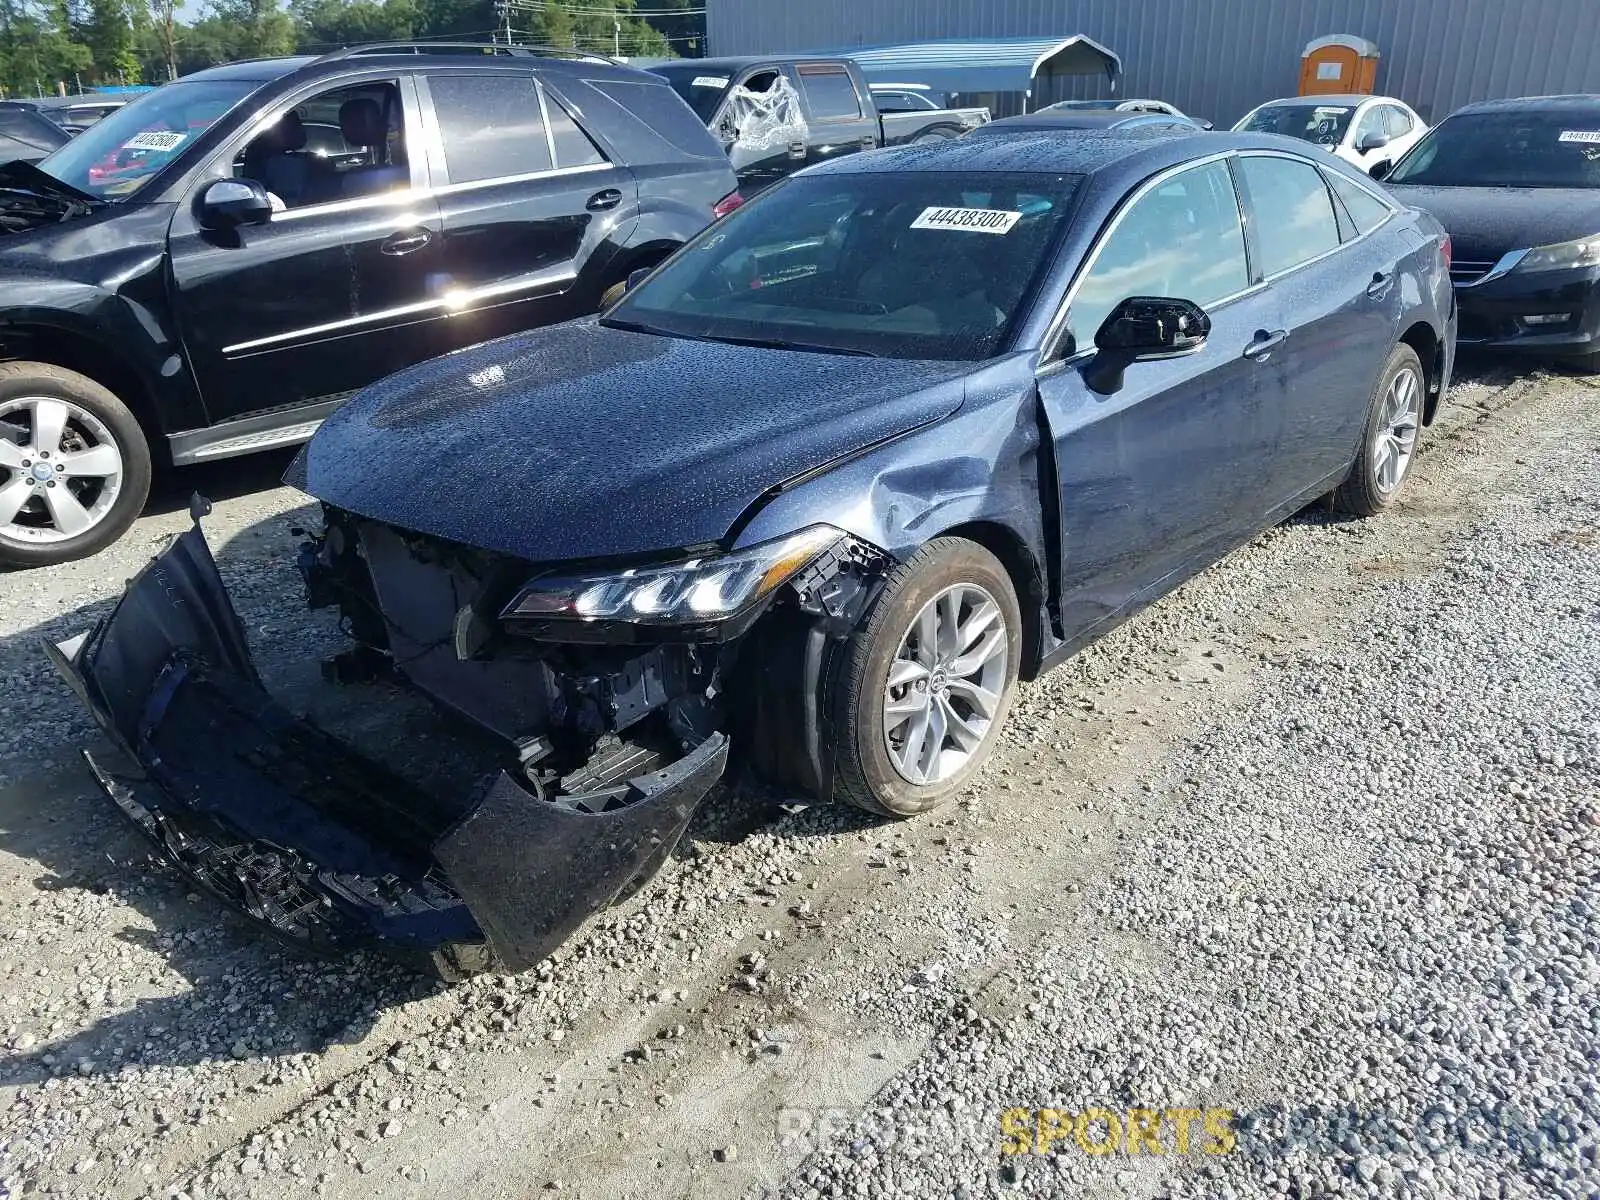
[74, 466]
[926, 685]
[1391, 437]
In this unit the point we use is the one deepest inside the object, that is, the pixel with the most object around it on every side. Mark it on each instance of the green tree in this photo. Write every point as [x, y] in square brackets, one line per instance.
[112, 34]
[324, 24]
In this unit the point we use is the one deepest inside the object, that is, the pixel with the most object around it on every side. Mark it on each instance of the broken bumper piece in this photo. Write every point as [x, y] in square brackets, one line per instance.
[322, 846]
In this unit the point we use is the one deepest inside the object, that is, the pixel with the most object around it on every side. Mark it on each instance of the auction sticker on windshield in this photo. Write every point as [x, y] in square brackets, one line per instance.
[155, 139]
[710, 81]
[1587, 136]
[969, 220]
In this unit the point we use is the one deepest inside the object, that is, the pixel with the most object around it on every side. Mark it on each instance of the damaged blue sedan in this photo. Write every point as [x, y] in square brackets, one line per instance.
[805, 504]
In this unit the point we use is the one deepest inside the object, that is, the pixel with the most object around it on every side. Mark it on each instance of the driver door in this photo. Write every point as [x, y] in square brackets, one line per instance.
[1164, 475]
[336, 290]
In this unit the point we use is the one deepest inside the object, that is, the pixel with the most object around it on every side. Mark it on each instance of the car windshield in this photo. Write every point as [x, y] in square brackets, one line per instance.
[1507, 149]
[115, 156]
[701, 87]
[905, 265]
[1324, 124]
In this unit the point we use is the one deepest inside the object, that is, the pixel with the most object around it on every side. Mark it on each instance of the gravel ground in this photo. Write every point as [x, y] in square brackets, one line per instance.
[1301, 860]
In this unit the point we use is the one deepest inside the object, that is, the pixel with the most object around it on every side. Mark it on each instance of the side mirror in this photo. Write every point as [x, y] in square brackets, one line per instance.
[1373, 141]
[635, 278]
[229, 203]
[1204, 124]
[1144, 329]
[1380, 170]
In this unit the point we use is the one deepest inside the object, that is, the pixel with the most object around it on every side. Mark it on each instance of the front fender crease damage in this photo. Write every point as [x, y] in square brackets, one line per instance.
[610, 748]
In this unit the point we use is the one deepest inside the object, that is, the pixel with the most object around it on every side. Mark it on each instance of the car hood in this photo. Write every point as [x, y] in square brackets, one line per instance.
[1485, 223]
[30, 198]
[582, 441]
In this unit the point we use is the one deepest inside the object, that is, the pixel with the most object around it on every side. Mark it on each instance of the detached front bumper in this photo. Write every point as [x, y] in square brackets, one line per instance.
[1555, 313]
[323, 846]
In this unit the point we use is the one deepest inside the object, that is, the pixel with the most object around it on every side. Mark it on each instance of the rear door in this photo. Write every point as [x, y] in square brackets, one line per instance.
[839, 118]
[526, 195]
[335, 291]
[1338, 298]
[1179, 465]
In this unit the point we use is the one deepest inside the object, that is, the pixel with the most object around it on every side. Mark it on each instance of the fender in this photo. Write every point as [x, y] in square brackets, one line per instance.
[979, 472]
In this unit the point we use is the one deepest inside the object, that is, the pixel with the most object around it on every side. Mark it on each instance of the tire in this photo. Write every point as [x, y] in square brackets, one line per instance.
[932, 137]
[107, 493]
[866, 774]
[1585, 364]
[1383, 464]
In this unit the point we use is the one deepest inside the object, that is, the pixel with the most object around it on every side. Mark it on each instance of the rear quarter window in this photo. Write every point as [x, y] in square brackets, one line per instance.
[1365, 209]
[658, 108]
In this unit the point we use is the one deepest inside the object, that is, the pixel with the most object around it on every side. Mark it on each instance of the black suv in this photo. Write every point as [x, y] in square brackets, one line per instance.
[211, 269]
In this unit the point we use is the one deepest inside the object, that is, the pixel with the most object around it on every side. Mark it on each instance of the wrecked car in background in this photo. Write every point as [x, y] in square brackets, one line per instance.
[775, 116]
[811, 499]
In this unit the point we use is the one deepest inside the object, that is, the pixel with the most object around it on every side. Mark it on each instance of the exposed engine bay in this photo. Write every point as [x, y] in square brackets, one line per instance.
[611, 732]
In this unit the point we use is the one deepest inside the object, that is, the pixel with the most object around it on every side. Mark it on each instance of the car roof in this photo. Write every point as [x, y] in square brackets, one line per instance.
[82, 101]
[266, 70]
[1045, 153]
[737, 63]
[252, 70]
[1047, 119]
[1579, 103]
[1315, 100]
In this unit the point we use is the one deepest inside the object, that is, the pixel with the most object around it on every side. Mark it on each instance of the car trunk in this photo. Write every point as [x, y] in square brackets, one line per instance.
[330, 848]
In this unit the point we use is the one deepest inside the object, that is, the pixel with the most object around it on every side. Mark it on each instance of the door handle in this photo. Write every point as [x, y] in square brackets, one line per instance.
[406, 241]
[1266, 342]
[869, 142]
[797, 149]
[601, 201]
[1379, 287]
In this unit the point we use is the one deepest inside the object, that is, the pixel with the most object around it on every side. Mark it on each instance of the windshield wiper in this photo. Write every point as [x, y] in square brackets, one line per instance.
[634, 327]
[778, 344]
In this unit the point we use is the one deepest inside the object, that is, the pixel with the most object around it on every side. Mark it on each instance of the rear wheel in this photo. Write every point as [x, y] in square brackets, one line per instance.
[926, 686]
[1391, 438]
[74, 466]
[1588, 364]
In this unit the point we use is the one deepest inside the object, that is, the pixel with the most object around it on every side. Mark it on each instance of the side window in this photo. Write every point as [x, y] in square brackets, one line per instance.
[1399, 122]
[573, 146]
[1182, 240]
[1372, 121]
[1294, 213]
[830, 93]
[338, 145]
[490, 125]
[1365, 209]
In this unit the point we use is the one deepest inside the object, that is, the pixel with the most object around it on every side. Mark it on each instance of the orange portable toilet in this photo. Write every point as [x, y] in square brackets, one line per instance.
[1339, 65]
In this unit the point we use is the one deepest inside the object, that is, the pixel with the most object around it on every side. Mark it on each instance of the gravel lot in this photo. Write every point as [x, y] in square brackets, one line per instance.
[1313, 841]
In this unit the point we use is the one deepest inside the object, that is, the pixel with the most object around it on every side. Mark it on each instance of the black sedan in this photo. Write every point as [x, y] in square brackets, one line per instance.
[1517, 184]
[810, 500]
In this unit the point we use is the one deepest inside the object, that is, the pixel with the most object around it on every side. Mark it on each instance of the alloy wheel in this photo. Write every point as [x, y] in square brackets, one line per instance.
[945, 685]
[1394, 442]
[60, 470]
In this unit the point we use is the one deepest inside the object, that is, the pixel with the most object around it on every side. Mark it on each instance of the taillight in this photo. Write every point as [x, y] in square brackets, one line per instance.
[1445, 249]
[727, 204]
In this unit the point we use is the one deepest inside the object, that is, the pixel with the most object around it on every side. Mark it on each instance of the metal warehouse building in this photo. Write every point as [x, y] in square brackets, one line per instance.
[1219, 58]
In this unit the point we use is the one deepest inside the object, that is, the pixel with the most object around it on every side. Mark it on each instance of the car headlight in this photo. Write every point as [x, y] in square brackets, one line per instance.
[697, 590]
[1581, 252]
